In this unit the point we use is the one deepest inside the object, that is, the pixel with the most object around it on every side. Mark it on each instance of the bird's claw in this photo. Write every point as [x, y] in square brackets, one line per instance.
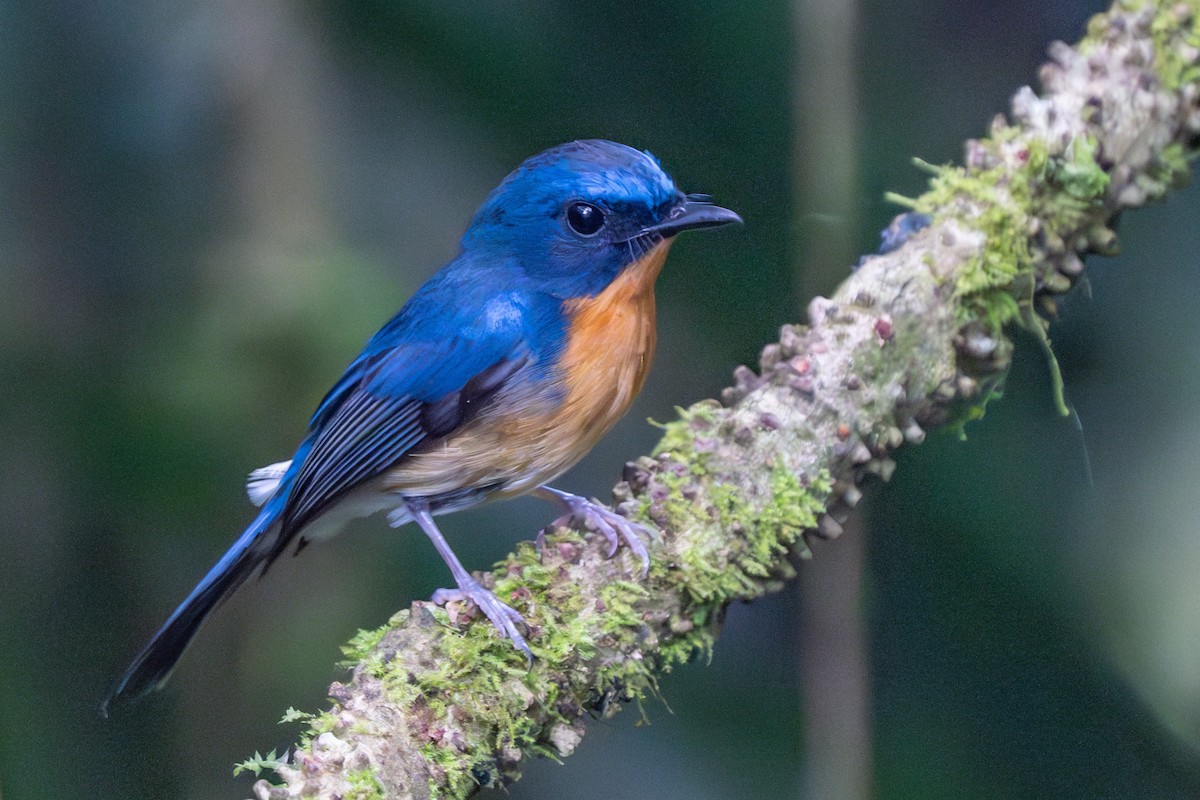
[613, 526]
[505, 618]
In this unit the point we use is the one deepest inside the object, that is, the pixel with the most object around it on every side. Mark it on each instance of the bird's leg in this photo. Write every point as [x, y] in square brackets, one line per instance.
[502, 616]
[601, 518]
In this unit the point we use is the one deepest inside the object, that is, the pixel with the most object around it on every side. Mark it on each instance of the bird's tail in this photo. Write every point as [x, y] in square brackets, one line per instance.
[152, 667]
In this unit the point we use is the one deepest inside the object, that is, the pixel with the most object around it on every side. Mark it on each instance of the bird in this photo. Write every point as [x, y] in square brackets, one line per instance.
[498, 374]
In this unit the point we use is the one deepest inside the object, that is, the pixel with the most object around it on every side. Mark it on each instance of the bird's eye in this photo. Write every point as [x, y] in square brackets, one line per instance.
[585, 218]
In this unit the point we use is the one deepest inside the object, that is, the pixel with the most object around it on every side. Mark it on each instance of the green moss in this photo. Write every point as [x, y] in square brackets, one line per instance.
[629, 679]
[257, 763]
[1079, 176]
[1171, 64]
[794, 507]
[683, 648]
[325, 722]
[1173, 167]
[363, 643]
[1030, 189]
[621, 615]
[1051, 192]
[1003, 221]
[364, 785]
[717, 570]
[484, 679]
[296, 715]
[316, 725]
[447, 763]
[635, 678]
[713, 571]
[679, 435]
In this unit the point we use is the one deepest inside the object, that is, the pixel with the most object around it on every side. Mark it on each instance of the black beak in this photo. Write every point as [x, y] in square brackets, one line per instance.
[696, 211]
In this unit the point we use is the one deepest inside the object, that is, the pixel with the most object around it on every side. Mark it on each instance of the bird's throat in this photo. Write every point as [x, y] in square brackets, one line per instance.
[610, 345]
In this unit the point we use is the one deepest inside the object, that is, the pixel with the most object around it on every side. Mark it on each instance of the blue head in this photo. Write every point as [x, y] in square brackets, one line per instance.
[575, 215]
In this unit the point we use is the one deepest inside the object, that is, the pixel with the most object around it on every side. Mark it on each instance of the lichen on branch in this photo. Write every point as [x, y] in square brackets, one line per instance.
[438, 705]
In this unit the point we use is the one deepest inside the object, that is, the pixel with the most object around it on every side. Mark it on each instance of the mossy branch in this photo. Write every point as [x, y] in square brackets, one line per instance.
[438, 705]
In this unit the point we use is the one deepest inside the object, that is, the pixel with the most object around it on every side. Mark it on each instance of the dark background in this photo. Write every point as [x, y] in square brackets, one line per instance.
[207, 207]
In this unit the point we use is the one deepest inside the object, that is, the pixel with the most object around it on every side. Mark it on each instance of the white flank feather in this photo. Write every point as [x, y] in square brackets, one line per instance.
[263, 481]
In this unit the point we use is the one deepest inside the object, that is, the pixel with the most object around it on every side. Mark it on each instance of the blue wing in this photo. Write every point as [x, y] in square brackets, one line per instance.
[398, 401]
[452, 347]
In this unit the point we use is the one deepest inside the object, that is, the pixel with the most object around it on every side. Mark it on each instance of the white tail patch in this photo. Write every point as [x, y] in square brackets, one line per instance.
[263, 481]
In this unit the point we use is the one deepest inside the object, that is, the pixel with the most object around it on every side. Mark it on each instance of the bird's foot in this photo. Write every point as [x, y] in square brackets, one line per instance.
[502, 616]
[601, 518]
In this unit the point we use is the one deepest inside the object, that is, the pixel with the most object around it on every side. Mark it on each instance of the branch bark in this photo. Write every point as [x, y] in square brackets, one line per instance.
[438, 705]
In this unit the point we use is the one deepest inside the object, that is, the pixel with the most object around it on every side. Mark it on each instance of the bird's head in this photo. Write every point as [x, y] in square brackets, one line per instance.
[574, 216]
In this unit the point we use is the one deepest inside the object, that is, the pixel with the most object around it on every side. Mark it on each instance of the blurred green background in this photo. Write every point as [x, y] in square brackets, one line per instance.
[209, 206]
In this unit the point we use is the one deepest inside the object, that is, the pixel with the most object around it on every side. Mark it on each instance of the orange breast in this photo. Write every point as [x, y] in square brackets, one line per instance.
[610, 344]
